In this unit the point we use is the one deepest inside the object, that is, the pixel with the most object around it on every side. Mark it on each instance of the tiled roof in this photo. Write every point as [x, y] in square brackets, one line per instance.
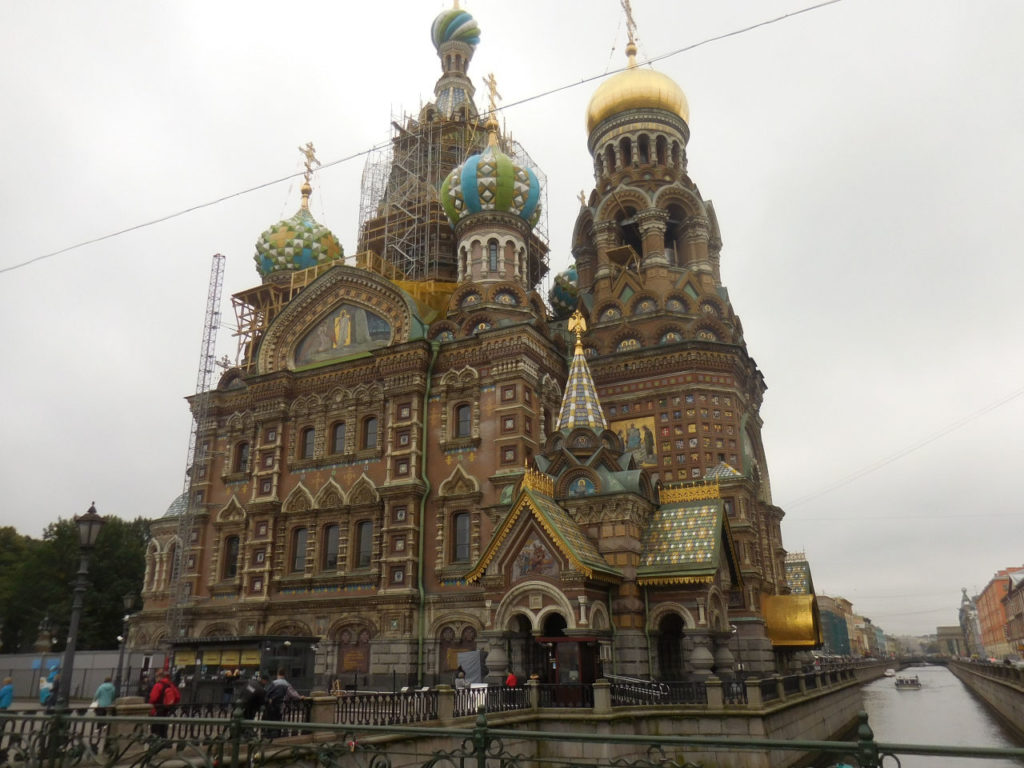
[683, 543]
[580, 406]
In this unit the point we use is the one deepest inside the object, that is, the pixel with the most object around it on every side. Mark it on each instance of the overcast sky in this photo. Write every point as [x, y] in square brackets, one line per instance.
[865, 160]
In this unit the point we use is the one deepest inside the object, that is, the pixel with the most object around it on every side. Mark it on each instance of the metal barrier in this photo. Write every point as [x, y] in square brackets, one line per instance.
[63, 740]
[386, 708]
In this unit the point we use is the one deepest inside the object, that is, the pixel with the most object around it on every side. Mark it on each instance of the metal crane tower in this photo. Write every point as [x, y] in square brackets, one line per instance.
[179, 592]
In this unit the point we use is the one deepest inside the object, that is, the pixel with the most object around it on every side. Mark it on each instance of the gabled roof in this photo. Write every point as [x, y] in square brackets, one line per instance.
[564, 532]
[684, 543]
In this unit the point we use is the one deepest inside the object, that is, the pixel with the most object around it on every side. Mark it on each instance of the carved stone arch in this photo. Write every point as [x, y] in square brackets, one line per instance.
[537, 305]
[305, 406]
[299, 500]
[361, 289]
[602, 315]
[363, 491]
[667, 328]
[159, 639]
[718, 610]
[680, 195]
[475, 323]
[583, 232]
[628, 333]
[351, 621]
[141, 640]
[330, 496]
[460, 295]
[218, 629]
[291, 627]
[568, 482]
[462, 377]
[550, 389]
[459, 483]
[149, 578]
[641, 296]
[701, 325]
[661, 610]
[600, 621]
[232, 512]
[512, 604]
[368, 394]
[439, 329]
[337, 397]
[239, 421]
[507, 286]
[613, 207]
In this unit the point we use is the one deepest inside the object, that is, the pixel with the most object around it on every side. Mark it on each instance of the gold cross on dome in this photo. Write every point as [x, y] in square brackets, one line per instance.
[309, 152]
[630, 23]
[493, 95]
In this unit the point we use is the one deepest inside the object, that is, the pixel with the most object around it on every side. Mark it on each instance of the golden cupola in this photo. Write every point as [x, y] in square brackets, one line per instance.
[636, 88]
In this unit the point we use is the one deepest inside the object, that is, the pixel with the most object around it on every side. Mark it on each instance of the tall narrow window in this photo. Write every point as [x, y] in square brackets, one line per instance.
[492, 255]
[299, 538]
[370, 433]
[308, 437]
[463, 420]
[338, 438]
[241, 457]
[230, 557]
[330, 560]
[460, 537]
[364, 543]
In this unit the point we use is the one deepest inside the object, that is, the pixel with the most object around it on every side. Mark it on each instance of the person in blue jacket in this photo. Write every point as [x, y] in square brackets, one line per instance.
[6, 694]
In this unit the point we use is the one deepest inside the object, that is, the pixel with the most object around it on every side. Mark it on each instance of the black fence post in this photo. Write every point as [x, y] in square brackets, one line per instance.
[480, 738]
[235, 731]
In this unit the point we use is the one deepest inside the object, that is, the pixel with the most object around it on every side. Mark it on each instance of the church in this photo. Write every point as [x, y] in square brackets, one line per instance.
[420, 454]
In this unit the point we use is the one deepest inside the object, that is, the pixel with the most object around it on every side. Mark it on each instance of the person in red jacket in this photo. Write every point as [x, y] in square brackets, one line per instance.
[511, 681]
[163, 698]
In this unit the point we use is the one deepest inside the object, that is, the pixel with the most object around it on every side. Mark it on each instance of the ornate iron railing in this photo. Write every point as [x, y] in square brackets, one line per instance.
[567, 696]
[386, 708]
[632, 692]
[64, 740]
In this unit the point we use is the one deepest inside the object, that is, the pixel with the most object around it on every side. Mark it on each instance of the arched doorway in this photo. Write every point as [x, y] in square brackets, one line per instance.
[525, 656]
[670, 647]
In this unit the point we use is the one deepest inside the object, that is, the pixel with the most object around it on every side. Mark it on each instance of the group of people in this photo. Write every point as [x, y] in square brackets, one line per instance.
[462, 682]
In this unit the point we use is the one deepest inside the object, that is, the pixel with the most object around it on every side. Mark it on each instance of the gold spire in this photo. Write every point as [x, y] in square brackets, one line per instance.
[309, 152]
[492, 117]
[579, 326]
[630, 33]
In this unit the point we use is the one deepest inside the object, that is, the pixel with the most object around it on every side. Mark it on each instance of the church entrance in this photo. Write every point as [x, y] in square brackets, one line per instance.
[670, 648]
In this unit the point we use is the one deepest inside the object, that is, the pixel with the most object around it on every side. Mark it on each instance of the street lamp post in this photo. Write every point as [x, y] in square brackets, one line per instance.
[89, 526]
[129, 603]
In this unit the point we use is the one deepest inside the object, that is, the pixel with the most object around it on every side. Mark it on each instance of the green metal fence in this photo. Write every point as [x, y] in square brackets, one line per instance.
[74, 739]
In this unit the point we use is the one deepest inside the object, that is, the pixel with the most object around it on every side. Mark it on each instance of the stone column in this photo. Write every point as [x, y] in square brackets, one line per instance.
[497, 657]
[716, 697]
[652, 233]
[700, 657]
[724, 660]
[323, 710]
[445, 704]
[754, 692]
[602, 697]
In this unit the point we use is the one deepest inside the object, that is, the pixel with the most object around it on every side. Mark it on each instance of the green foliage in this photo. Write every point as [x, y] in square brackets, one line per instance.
[37, 579]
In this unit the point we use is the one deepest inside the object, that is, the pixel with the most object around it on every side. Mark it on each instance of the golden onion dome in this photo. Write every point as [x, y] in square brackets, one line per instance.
[636, 88]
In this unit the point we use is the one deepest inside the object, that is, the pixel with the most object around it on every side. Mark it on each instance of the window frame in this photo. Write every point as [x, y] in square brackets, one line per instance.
[370, 428]
[299, 544]
[325, 556]
[337, 427]
[362, 555]
[307, 443]
[463, 418]
[232, 544]
[461, 536]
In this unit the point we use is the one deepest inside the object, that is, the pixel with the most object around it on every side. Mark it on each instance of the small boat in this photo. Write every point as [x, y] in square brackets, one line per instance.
[890, 672]
[908, 683]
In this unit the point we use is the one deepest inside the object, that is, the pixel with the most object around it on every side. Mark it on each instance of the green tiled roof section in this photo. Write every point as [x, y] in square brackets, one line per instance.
[683, 538]
[568, 530]
[798, 576]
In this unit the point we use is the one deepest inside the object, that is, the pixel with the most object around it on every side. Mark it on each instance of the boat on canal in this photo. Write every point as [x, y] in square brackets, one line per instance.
[908, 683]
[890, 672]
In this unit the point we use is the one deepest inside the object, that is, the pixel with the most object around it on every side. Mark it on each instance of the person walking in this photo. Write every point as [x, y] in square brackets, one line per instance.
[253, 697]
[511, 681]
[7, 694]
[163, 698]
[278, 692]
[104, 696]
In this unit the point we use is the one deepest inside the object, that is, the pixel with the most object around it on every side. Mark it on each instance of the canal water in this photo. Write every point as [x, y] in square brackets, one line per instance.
[943, 711]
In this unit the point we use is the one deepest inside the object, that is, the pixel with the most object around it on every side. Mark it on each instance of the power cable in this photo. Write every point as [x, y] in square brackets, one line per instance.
[380, 146]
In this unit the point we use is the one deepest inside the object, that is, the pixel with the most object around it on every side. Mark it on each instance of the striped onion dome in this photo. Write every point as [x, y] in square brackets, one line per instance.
[491, 181]
[454, 24]
[564, 294]
[299, 242]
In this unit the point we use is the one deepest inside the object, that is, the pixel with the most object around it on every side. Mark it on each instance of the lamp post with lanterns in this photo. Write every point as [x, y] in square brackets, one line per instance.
[89, 526]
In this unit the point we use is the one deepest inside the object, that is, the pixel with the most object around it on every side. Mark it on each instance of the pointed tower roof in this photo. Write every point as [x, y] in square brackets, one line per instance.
[580, 406]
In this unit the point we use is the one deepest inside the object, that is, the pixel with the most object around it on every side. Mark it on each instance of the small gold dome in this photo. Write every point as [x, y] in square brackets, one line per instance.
[636, 88]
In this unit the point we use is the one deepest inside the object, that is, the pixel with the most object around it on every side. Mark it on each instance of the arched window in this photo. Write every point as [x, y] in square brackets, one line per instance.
[308, 443]
[242, 457]
[299, 538]
[661, 149]
[364, 544]
[330, 553]
[463, 420]
[370, 433]
[492, 255]
[609, 158]
[230, 557]
[460, 537]
[338, 438]
[643, 148]
[626, 148]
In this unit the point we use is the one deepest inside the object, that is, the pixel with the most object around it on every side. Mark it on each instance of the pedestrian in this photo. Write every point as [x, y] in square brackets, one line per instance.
[163, 698]
[50, 702]
[461, 683]
[7, 694]
[105, 696]
[278, 692]
[511, 681]
[252, 697]
[44, 689]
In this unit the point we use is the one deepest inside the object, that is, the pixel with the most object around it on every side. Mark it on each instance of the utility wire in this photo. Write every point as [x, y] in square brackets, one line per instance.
[384, 144]
[877, 465]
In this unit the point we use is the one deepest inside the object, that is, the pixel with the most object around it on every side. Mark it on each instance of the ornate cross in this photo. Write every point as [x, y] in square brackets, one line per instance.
[493, 95]
[309, 152]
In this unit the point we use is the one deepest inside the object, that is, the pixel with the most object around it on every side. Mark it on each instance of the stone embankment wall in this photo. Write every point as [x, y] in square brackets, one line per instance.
[1000, 686]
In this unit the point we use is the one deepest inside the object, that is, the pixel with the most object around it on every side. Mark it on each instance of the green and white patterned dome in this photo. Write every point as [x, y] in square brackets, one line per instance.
[299, 242]
[491, 181]
[564, 294]
[454, 24]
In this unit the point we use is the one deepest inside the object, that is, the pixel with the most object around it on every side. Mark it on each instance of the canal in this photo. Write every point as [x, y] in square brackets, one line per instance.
[943, 711]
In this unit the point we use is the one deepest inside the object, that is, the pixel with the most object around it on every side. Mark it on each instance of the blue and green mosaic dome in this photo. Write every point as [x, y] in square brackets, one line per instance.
[296, 243]
[454, 24]
[491, 181]
[564, 294]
